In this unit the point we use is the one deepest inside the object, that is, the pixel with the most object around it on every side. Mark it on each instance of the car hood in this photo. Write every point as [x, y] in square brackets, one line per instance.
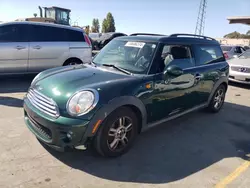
[239, 62]
[62, 83]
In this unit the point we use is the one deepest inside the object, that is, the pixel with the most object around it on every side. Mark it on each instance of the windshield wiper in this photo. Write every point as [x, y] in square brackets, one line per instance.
[117, 68]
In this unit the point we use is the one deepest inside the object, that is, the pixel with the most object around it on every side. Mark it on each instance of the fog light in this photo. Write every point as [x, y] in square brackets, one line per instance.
[69, 135]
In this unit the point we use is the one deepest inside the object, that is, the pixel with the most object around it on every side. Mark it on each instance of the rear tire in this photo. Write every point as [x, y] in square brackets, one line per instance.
[117, 133]
[217, 100]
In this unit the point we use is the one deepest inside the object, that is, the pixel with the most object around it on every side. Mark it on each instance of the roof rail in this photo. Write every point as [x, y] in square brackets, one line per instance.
[191, 35]
[147, 34]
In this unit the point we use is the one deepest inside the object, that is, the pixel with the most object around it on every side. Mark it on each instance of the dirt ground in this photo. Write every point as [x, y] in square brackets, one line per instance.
[196, 150]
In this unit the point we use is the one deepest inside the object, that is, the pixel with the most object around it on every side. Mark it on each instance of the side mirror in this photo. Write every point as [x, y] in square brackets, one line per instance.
[173, 71]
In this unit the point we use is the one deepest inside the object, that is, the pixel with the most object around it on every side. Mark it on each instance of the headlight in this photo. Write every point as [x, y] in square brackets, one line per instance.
[82, 102]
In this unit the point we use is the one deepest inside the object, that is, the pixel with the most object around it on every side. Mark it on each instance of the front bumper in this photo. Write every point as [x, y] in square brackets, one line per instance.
[57, 133]
[239, 77]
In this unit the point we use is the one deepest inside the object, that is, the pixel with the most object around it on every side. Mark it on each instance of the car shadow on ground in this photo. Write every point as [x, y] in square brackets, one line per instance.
[173, 150]
[16, 83]
[244, 86]
[10, 101]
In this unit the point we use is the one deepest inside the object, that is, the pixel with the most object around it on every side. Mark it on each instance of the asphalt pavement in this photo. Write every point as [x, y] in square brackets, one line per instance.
[196, 150]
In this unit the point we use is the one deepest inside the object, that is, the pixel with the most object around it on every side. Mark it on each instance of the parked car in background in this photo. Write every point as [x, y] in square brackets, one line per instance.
[240, 68]
[134, 83]
[232, 51]
[95, 36]
[246, 47]
[105, 38]
[30, 47]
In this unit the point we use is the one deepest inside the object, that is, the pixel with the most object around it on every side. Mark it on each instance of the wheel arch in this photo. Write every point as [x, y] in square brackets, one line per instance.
[67, 61]
[223, 81]
[125, 101]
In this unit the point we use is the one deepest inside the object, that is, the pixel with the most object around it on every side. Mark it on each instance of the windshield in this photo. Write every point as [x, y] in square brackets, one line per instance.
[245, 55]
[226, 48]
[133, 56]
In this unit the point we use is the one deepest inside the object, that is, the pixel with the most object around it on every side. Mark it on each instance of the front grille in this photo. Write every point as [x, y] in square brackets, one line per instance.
[43, 103]
[41, 130]
[241, 69]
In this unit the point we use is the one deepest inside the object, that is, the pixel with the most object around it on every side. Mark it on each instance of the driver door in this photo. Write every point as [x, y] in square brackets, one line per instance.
[173, 94]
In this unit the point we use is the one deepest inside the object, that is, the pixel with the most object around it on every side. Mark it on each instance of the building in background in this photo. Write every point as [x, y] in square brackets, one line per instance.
[236, 20]
[239, 19]
[240, 42]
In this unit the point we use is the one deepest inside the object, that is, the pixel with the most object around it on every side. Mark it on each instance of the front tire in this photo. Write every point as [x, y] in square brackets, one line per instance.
[217, 100]
[117, 133]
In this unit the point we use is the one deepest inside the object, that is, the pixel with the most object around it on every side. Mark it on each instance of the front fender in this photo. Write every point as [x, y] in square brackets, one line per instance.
[112, 105]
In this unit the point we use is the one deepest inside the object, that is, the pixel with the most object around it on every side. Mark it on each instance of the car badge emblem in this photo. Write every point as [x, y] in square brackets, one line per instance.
[243, 69]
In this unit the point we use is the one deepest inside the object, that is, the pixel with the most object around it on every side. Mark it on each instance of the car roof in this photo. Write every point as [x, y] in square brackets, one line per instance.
[43, 24]
[179, 38]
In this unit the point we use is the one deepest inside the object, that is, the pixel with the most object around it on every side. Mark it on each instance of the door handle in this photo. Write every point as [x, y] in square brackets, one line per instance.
[37, 47]
[198, 77]
[20, 47]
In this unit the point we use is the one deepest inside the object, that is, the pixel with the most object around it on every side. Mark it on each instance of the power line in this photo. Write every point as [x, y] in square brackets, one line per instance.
[200, 24]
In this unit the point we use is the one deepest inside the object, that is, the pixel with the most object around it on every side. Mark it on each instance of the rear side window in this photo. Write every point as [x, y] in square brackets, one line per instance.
[207, 54]
[47, 34]
[14, 33]
[179, 55]
[75, 36]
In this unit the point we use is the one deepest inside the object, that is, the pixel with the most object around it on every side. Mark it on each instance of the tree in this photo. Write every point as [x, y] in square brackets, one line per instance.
[110, 22]
[237, 35]
[104, 26]
[95, 26]
[233, 35]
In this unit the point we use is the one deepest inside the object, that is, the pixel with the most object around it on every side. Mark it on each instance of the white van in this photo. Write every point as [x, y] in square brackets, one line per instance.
[31, 47]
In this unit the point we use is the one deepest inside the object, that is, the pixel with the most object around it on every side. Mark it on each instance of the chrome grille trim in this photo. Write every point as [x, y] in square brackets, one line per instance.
[43, 103]
[238, 69]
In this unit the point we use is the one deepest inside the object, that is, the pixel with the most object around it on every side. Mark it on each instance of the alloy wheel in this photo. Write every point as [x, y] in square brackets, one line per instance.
[219, 98]
[119, 134]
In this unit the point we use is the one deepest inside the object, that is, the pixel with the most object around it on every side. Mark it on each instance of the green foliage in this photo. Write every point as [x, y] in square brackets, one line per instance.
[108, 24]
[104, 26]
[95, 26]
[237, 35]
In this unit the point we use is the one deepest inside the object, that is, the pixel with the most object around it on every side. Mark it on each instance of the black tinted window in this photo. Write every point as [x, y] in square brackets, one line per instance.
[14, 33]
[206, 54]
[75, 36]
[47, 34]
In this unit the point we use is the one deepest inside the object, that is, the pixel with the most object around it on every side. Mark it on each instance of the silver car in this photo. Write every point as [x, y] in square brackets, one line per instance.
[232, 51]
[30, 47]
[240, 68]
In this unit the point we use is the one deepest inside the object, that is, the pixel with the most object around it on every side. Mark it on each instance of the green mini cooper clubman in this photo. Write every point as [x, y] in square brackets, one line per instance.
[134, 82]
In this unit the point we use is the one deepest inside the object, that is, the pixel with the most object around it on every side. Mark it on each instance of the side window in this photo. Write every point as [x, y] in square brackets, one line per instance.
[13, 33]
[47, 34]
[207, 54]
[75, 36]
[237, 50]
[242, 50]
[179, 55]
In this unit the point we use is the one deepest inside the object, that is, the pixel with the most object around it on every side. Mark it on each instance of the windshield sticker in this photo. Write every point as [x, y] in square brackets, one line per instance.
[153, 46]
[135, 44]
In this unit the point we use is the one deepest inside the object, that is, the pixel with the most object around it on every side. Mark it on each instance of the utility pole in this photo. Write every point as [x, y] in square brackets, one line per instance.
[200, 24]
